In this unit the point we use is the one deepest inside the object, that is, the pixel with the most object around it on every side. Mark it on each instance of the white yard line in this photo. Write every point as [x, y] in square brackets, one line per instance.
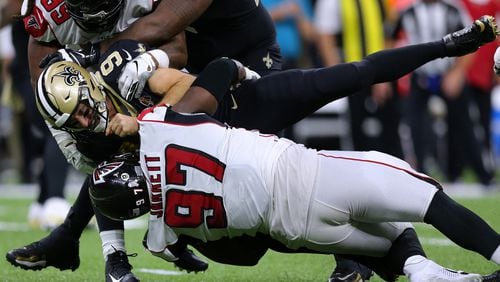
[161, 271]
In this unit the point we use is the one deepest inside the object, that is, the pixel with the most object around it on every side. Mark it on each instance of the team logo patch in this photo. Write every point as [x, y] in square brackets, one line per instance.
[32, 23]
[268, 61]
[70, 75]
[141, 48]
[104, 169]
[35, 24]
[146, 101]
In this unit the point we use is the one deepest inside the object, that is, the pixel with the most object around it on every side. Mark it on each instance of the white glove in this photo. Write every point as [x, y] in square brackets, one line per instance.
[136, 73]
[496, 59]
[250, 74]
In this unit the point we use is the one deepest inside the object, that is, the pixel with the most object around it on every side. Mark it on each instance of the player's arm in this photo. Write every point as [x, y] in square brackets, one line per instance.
[212, 84]
[36, 52]
[169, 19]
[176, 49]
[171, 84]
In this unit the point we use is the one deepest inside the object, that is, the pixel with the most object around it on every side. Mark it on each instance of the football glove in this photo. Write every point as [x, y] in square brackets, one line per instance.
[136, 73]
[250, 74]
[83, 58]
[496, 58]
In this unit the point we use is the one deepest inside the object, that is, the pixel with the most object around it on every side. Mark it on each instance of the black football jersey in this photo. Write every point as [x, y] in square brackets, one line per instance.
[241, 30]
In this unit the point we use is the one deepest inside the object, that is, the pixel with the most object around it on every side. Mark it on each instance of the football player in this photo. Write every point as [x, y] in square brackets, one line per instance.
[195, 164]
[213, 28]
[367, 71]
[198, 172]
[78, 23]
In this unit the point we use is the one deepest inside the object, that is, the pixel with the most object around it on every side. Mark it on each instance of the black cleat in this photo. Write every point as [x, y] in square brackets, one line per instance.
[469, 39]
[186, 259]
[494, 277]
[189, 262]
[349, 270]
[58, 249]
[352, 276]
[118, 268]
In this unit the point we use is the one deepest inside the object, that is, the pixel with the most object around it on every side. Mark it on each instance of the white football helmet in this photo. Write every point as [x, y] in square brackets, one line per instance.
[61, 88]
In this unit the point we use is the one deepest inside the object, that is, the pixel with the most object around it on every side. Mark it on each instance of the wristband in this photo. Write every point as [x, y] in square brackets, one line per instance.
[161, 58]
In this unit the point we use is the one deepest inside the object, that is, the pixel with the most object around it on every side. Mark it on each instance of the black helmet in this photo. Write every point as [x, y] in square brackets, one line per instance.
[95, 15]
[119, 190]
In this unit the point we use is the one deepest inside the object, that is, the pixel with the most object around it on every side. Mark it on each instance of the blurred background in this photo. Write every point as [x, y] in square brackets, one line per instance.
[444, 118]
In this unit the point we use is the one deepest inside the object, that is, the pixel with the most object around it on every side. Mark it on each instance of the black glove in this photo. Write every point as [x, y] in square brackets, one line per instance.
[84, 58]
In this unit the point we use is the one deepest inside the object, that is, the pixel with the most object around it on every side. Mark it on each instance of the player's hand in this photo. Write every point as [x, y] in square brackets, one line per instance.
[496, 59]
[81, 57]
[250, 74]
[122, 125]
[244, 73]
[135, 74]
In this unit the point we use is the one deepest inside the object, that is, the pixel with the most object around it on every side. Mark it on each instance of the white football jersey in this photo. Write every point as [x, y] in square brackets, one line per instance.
[50, 21]
[206, 188]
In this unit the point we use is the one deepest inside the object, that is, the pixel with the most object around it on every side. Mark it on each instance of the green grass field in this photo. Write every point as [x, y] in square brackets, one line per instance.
[14, 232]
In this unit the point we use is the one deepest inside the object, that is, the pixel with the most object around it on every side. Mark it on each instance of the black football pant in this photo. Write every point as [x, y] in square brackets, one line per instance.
[279, 100]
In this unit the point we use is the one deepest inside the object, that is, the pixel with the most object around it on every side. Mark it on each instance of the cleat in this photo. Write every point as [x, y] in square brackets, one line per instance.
[469, 39]
[353, 276]
[434, 272]
[185, 259]
[58, 249]
[118, 268]
[189, 262]
[348, 270]
[494, 277]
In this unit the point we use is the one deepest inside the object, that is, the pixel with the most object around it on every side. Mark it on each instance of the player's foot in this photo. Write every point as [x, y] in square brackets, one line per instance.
[118, 268]
[58, 249]
[434, 272]
[348, 270]
[469, 39]
[494, 277]
[54, 212]
[352, 276]
[188, 261]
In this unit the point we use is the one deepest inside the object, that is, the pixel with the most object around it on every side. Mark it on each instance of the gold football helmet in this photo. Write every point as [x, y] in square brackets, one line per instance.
[61, 88]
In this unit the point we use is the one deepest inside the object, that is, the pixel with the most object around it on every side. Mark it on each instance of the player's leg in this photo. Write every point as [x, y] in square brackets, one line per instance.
[60, 248]
[398, 193]
[392, 192]
[278, 100]
[112, 235]
[283, 98]
[463, 227]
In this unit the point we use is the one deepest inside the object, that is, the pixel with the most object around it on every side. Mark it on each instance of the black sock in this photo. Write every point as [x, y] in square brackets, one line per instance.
[461, 225]
[80, 213]
[405, 246]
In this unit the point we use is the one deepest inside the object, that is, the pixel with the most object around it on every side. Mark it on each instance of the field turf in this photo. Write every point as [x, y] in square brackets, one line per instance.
[14, 232]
